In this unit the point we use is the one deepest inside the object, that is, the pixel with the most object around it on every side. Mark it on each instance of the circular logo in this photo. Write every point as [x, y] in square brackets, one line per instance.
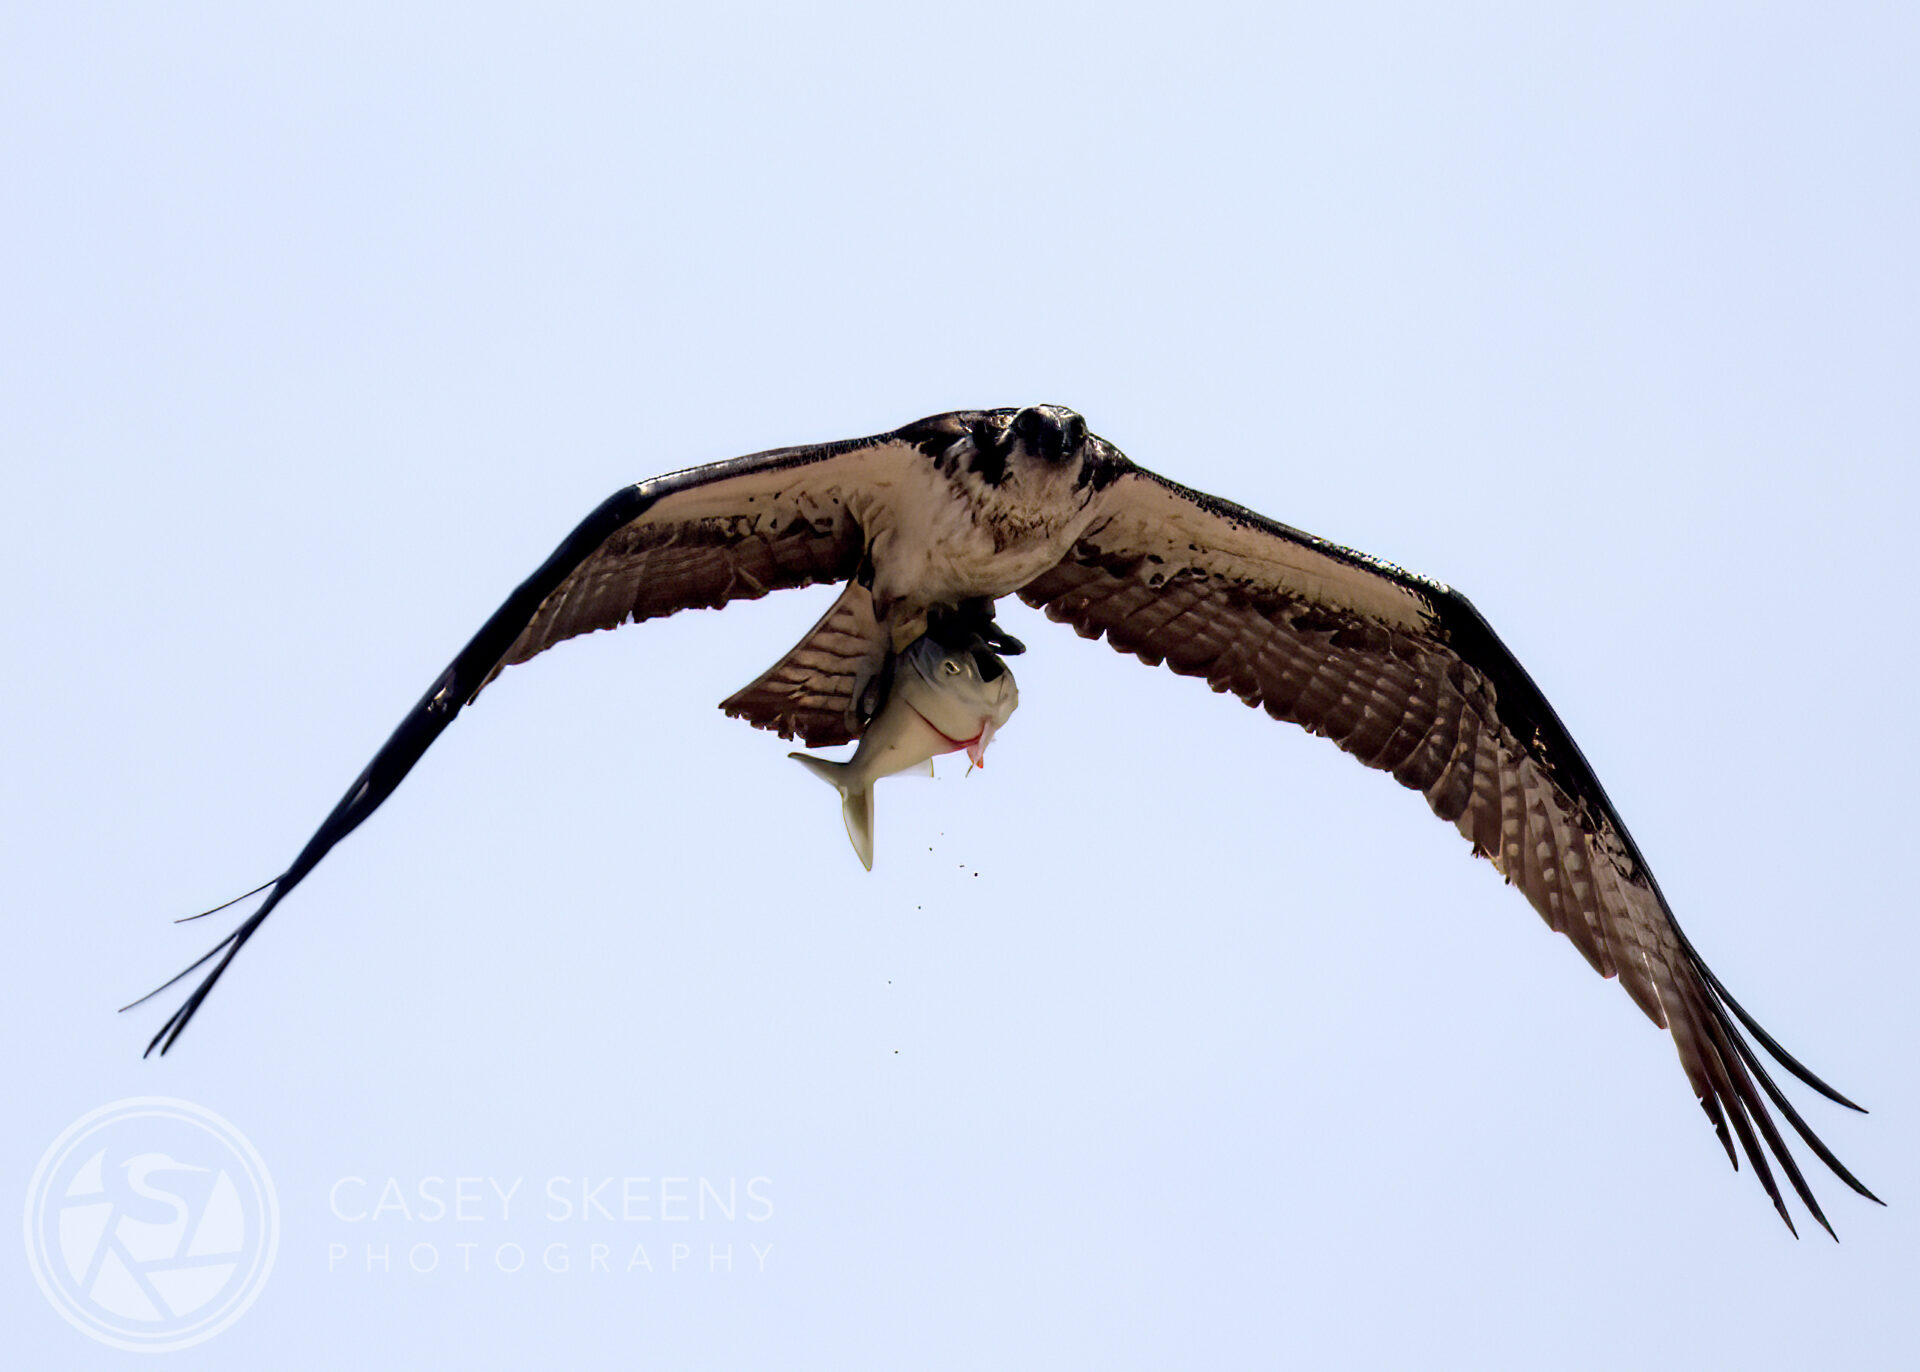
[151, 1224]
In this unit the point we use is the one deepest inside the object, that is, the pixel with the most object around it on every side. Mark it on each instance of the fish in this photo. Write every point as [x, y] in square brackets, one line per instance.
[942, 700]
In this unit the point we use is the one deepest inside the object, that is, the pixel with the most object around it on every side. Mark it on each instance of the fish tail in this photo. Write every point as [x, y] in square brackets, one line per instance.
[856, 804]
[857, 810]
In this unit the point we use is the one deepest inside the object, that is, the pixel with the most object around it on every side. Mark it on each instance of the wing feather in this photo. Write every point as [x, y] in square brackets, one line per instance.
[1405, 674]
[712, 535]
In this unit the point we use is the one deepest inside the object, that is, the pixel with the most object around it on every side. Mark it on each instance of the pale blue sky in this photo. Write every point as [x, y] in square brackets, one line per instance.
[1174, 1037]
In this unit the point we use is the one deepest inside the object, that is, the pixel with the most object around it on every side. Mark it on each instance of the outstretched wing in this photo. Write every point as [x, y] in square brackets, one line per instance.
[702, 537]
[1404, 674]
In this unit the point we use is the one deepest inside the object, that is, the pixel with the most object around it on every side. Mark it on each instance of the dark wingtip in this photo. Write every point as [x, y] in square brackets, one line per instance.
[1767, 1041]
[224, 950]
[1714, 1117]
[188, 919]
[180, 975]
[1725, 1016]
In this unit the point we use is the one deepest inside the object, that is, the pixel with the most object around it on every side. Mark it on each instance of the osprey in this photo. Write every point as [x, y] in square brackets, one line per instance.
[930, 524]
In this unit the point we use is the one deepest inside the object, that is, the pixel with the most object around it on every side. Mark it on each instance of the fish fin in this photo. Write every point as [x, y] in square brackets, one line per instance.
[856, 806]
[827, 771]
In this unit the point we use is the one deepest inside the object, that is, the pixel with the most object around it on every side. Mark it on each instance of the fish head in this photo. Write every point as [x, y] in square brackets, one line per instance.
[967, 693]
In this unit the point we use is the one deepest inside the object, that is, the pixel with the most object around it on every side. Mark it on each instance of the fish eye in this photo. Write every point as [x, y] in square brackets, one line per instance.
[950, 667]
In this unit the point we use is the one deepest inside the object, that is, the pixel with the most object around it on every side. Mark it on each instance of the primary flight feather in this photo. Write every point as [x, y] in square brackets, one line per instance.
[928, 525]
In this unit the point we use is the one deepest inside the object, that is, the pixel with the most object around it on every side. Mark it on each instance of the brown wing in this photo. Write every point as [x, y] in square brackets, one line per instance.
[695, 538]
[729, 531]
[1405, 675]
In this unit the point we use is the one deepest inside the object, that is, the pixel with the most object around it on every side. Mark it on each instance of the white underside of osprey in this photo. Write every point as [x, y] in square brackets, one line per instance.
[935, 539]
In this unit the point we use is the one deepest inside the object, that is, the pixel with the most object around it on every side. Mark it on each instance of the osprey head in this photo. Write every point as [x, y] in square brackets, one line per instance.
[1040, 439]
[1052, 433]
